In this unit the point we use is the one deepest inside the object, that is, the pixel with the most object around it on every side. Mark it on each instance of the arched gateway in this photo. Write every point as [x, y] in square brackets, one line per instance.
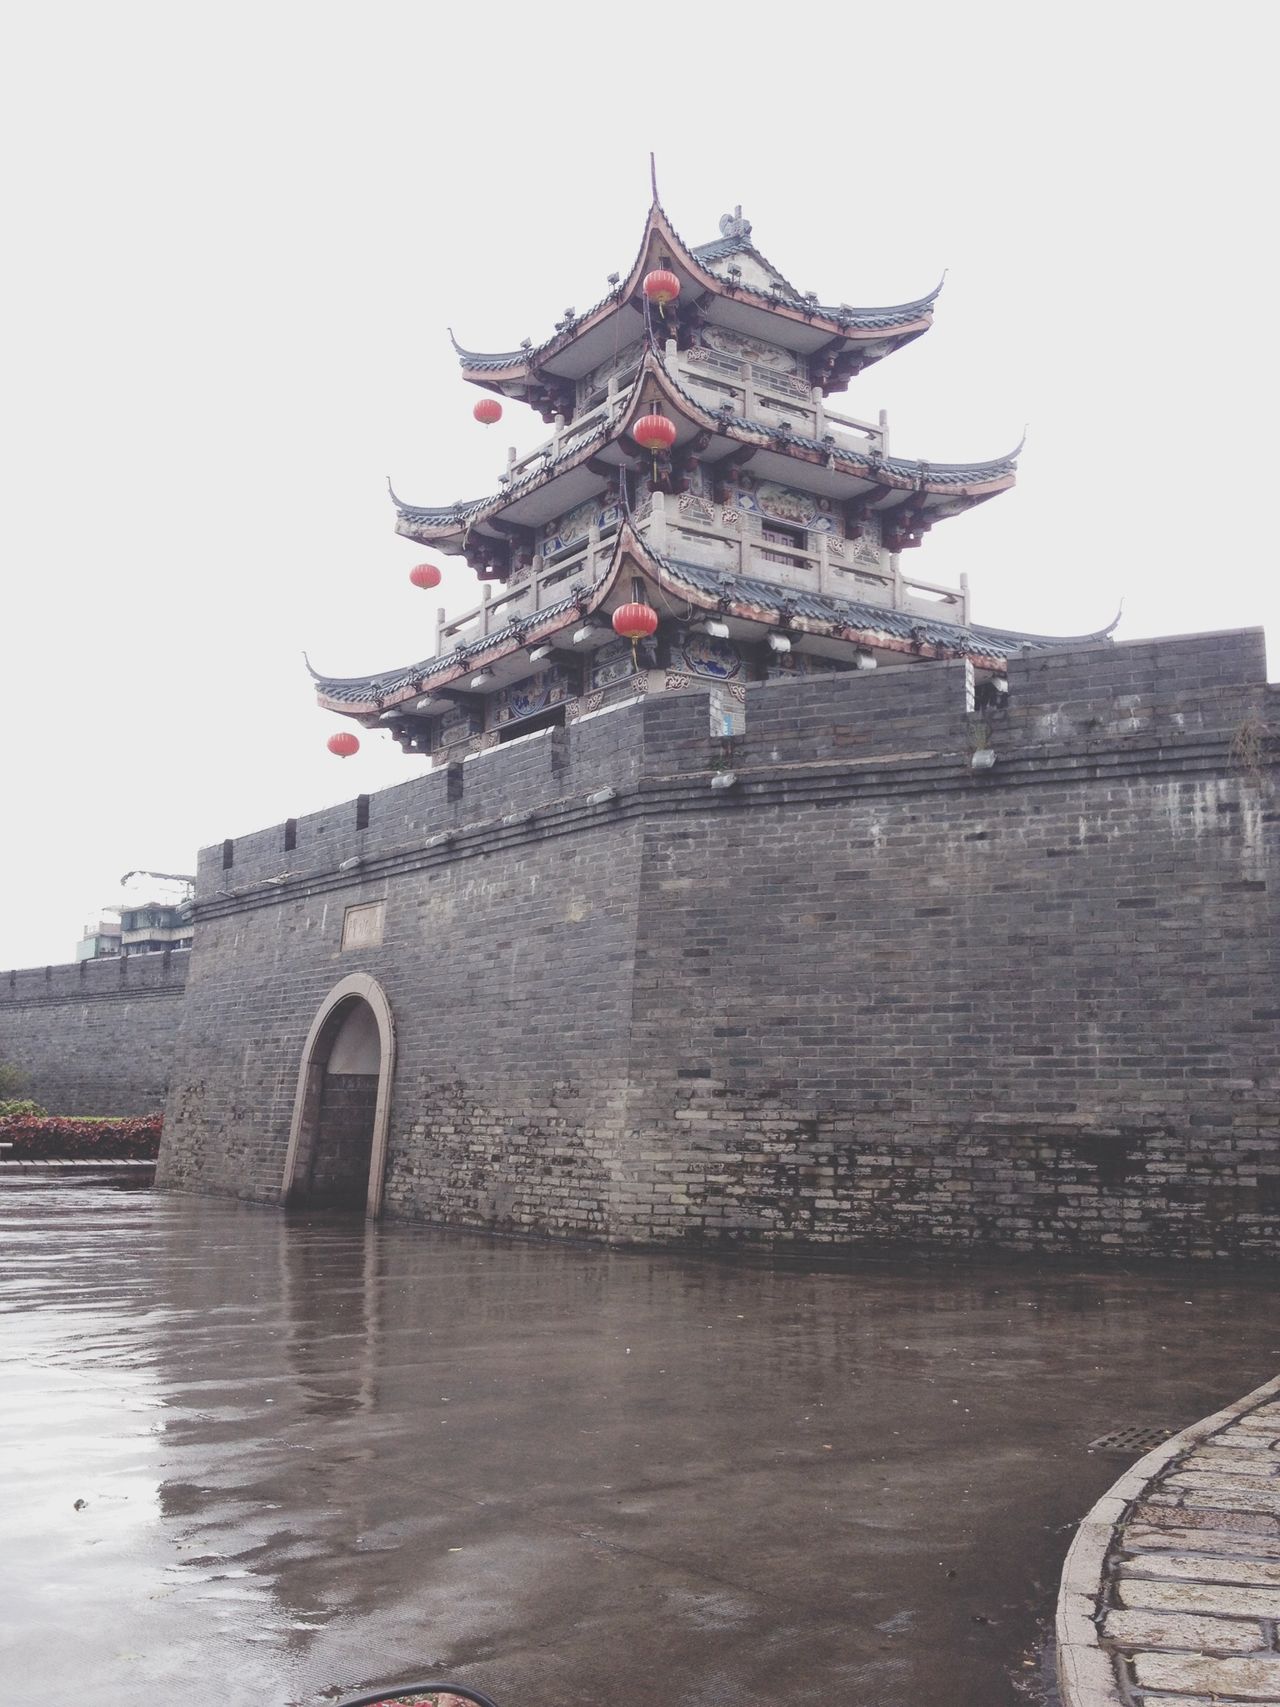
[342, 1109]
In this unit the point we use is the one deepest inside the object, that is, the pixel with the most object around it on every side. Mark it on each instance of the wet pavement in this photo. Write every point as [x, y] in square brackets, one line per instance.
[315, 1455]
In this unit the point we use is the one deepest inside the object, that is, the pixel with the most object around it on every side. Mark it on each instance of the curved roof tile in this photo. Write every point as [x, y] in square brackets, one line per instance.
[902, 470]
[851, 613]
[880, 319]
[713, 586]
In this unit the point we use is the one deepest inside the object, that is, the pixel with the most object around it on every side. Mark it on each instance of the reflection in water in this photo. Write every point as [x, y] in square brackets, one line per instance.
[315, 1454]
[329, 1288]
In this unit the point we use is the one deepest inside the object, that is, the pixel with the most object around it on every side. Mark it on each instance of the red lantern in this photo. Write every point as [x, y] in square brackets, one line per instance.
[635, 622]
[343, 745]
[487, 411]
[661, 287]
[654, 432]
[425, 575]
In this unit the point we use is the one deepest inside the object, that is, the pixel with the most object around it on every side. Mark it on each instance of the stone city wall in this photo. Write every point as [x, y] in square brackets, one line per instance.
[95, 1037]
[858, 995]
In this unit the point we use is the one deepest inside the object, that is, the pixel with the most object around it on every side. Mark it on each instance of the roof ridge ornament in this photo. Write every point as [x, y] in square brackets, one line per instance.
[734, 225]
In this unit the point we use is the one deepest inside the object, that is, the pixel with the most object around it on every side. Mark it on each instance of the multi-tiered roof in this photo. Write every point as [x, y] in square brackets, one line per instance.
[769, 515]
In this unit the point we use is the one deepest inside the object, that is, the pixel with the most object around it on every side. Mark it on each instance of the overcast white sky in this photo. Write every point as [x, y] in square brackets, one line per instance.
[236, 235]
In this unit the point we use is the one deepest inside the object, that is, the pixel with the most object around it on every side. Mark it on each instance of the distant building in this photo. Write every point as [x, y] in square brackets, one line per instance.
[155, 926]
[147, 928]
[100, 941]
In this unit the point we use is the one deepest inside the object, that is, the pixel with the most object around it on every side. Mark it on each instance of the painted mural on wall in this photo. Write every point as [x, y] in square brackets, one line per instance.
[611, 663]
[803, 664]
[455, 725]
[740, 348]
[767, 499]
[703, 655]
[536, 693]
[573, 527]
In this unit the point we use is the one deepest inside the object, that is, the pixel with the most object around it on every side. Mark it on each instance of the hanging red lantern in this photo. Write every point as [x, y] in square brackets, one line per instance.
[661, 287]
[425, 575]
[635, 622]
[487, 411]
[654, 432]
[343, 744]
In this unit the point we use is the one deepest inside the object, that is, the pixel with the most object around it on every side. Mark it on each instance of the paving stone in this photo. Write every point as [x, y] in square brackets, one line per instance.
[1226, 1499]
[1167, 1511]
[1139, 1537]
[1232, 1455]
[1223, 1600]
[1148, 1700]
[1213, 1480]
[1249, 1680]
[1155, 1629]
[1203, 1568]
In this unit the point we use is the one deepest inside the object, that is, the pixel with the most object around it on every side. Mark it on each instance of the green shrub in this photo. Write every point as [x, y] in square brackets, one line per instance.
[20, 1105]
[11, 1078]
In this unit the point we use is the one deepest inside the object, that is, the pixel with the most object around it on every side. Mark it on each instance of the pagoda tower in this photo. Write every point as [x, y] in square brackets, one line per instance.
[764, 532]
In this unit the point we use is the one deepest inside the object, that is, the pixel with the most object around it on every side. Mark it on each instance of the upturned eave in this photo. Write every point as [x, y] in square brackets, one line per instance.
[742, 598]
[515, 373]
[936, 489]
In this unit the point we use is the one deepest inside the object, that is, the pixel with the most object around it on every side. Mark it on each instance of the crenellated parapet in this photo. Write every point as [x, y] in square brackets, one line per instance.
[1182, 706]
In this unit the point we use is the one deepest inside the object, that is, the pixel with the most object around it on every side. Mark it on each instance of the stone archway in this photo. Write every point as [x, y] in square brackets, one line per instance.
[342, 1108]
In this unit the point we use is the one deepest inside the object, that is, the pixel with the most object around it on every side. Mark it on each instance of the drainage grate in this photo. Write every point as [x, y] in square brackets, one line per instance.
[1133, 1441]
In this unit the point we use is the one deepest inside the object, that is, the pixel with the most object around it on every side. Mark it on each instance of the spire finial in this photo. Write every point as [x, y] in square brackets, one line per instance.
[653, 177]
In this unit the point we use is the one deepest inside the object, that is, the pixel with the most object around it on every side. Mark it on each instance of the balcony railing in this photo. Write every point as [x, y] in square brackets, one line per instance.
[696, 530]
[751, 544]
[761, 394]
[564, 439]
[549, 580]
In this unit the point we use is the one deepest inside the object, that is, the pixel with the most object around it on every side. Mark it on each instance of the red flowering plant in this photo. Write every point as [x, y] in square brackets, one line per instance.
[416, 1700]
[26, 1137]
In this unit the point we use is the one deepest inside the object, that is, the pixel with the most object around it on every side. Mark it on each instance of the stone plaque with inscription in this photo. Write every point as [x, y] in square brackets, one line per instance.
[362, 926]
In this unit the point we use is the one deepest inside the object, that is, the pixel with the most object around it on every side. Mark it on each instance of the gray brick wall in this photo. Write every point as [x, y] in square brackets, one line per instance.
[96, 1037]
[864, 996]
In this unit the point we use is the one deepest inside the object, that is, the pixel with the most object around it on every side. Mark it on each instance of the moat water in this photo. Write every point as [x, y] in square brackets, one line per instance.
[251, 1459]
